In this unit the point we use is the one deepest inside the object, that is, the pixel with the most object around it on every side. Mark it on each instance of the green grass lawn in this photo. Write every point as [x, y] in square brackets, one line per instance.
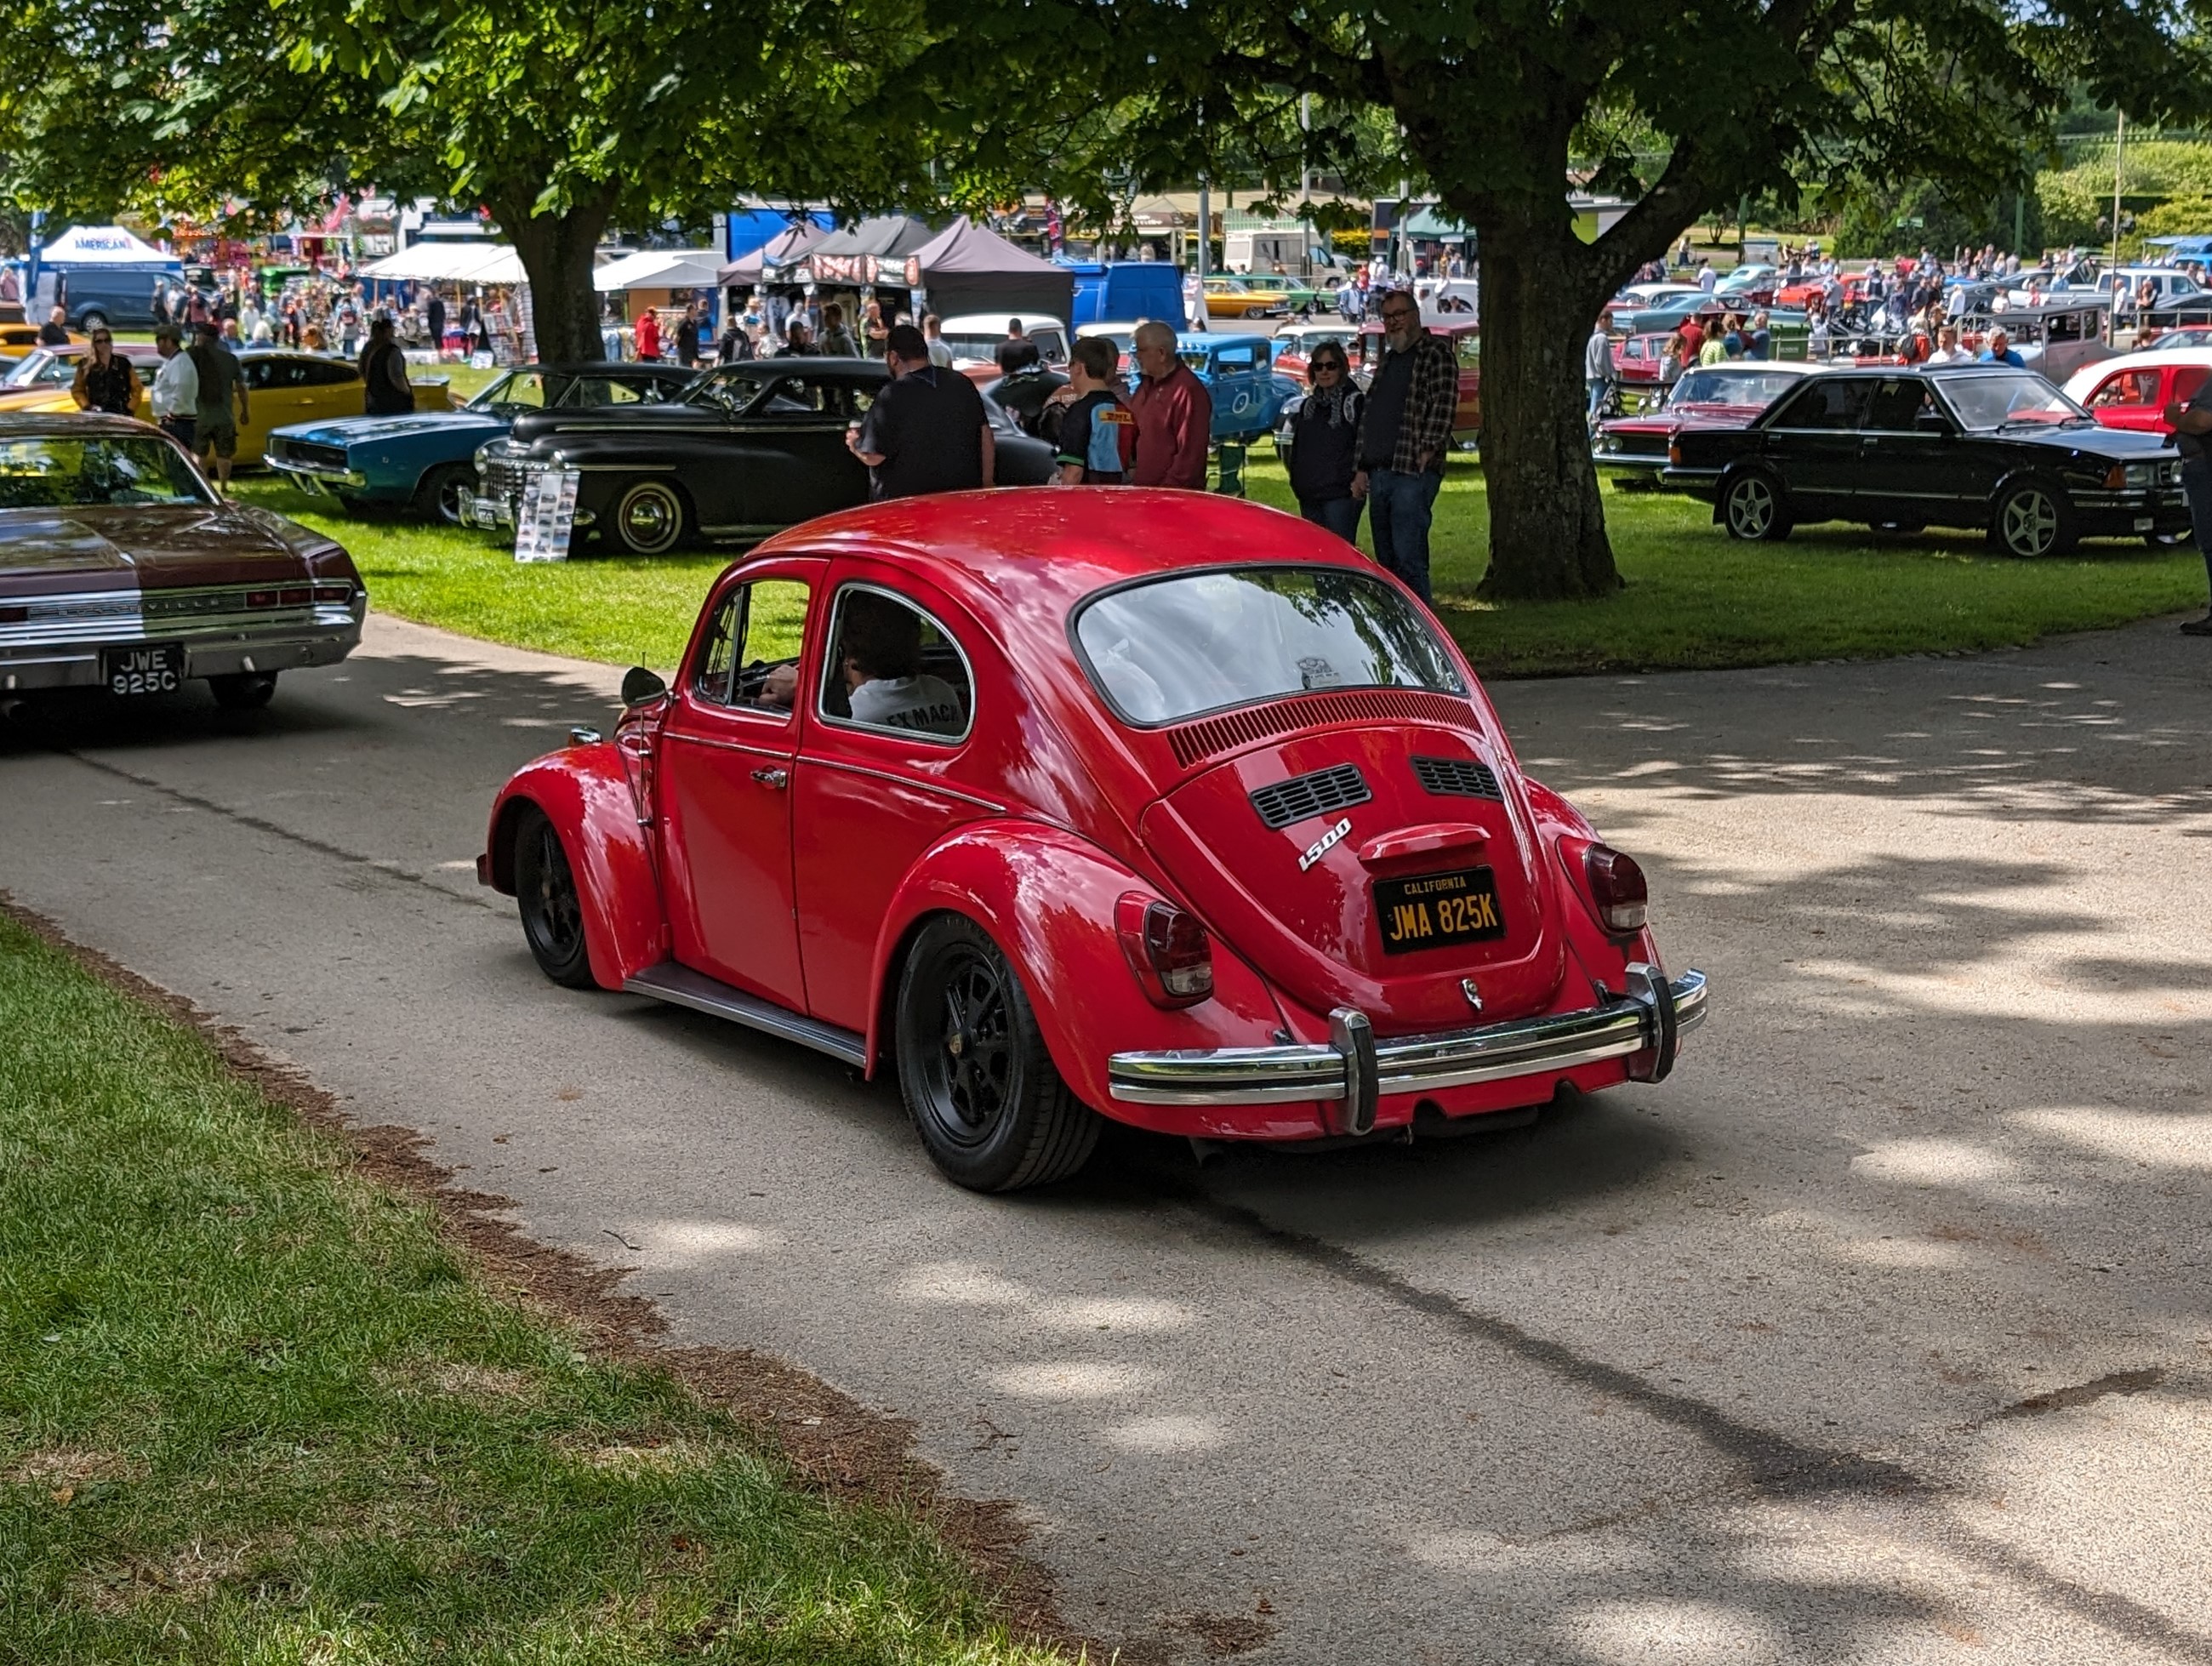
[252, 1409]
[1693, 596]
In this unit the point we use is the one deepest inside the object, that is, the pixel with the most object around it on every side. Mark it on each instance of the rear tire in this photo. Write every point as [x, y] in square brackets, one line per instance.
[2034, 521]
[244, 690]
[551, 901]
[1754, 508]
[992, 1111]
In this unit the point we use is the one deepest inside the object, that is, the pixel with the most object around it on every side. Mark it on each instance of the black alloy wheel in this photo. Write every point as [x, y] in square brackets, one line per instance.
[439, 495]
[991, 1109]
[551, 905]
[2035, 520]
[244, 690]
[648, 518]
[1753, 507]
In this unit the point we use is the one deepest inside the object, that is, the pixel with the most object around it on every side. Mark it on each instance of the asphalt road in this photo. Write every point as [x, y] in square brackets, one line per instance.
[1878, 1335]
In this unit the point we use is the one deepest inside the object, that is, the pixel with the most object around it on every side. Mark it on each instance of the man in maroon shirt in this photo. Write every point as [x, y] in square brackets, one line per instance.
[1174, 413]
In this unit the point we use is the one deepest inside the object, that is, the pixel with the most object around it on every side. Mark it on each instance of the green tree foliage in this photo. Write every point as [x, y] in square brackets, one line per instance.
[1490, 101]
[562, 120]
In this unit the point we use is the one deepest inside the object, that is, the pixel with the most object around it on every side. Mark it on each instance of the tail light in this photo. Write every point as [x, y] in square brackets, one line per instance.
[1167, 948]
[326, 594]
[1617, 887]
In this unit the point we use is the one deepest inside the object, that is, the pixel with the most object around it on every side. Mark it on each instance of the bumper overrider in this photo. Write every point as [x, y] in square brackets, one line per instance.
[1352, 1072]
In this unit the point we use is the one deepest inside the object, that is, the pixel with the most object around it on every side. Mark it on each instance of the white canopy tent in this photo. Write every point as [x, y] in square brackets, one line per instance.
[449, 262]
[660, 269]
[104, 246]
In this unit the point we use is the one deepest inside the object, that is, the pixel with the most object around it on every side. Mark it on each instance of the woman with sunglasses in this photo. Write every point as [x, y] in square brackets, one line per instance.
[104, 380]
[1324, 437]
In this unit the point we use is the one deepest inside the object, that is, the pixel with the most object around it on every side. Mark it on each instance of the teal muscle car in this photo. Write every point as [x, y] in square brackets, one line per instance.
[422, 462]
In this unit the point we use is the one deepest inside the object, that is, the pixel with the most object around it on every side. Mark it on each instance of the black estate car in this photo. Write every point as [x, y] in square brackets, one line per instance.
[747, 450]
[1970, 445]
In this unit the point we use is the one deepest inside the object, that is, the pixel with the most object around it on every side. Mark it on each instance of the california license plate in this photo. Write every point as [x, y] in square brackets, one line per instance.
[152, 668]
[1435, 910]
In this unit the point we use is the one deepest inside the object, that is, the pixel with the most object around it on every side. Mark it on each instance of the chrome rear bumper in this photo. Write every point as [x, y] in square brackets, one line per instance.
[1354, 1070]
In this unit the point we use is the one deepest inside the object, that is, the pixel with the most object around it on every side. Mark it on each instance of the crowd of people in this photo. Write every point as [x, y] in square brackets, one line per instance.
[333, 314]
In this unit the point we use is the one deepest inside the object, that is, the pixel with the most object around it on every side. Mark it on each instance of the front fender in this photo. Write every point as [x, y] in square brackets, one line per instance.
[586, 794]
[1047, 898]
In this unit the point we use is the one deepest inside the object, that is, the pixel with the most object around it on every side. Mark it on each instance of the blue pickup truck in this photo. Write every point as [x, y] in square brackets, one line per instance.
[424, 462]
[1238, 372]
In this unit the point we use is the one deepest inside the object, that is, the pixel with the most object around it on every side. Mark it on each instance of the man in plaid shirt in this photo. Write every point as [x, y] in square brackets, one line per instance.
[1402, 437]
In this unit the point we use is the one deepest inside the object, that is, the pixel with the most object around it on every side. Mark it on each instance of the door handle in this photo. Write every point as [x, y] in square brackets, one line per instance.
[768, 776]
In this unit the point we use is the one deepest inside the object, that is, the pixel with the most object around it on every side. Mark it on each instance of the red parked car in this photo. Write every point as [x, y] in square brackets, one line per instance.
[1183, 815]
[1632, 450]
[2133, 390]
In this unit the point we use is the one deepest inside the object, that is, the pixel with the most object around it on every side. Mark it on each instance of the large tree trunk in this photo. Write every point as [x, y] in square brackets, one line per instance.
[556, 251]
[1547, 538]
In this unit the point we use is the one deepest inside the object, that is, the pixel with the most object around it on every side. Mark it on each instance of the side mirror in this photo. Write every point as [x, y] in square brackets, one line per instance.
[639, 686]
[1927, 422]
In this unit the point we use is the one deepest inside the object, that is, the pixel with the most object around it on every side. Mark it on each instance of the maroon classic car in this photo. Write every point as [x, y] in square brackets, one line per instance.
[121, 568]
[1631, 450]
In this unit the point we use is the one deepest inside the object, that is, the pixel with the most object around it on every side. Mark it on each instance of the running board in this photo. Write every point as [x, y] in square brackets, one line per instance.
[680, 986]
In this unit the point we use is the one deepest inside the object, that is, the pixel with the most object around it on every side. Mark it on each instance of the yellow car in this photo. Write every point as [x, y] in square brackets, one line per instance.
[283, 386]
[1231, 297]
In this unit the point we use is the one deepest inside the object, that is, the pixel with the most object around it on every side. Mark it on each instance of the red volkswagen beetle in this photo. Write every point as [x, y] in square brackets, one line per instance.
[1151, 805]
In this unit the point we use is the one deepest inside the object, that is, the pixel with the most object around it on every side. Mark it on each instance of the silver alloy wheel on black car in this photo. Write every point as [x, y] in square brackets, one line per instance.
[990, 1105]
[2033, 520]
[1752, 508]
[648, 518]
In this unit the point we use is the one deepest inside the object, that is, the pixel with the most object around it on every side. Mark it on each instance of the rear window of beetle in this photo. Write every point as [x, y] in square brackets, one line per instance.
[1179, 646]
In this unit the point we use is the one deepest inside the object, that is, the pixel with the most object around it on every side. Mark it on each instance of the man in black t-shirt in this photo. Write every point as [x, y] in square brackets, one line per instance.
[927, 430]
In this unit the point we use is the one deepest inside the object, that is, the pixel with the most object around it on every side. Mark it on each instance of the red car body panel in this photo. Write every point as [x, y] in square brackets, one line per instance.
[1465, 340]
[2136, 396]
[804, 891]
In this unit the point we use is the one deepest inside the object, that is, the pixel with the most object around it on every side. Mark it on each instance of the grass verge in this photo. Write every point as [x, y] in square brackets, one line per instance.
[254, 1407]
[1694, 598]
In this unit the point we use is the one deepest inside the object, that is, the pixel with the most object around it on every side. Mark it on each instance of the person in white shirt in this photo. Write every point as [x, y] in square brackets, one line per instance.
[1597, 367]
[175, 395]
[880, 641]
[1947, 350]
[1705, 277]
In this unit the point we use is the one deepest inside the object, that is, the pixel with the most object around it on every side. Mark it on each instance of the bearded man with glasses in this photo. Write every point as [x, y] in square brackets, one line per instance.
[1403, 434]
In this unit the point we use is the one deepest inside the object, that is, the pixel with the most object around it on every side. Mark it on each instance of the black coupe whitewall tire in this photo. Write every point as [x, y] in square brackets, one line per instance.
[1753, 507]
[648, 518]
[551, 901]
[991, 1109]
[2033, 520]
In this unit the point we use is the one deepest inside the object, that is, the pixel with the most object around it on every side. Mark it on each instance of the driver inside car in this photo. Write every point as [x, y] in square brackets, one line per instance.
[880, 657]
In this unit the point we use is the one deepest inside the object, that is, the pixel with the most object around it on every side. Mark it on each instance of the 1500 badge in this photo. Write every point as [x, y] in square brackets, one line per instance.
[1320, 847]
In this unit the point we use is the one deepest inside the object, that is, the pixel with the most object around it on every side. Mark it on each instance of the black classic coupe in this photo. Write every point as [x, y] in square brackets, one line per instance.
[1980, 446]
[746, 450]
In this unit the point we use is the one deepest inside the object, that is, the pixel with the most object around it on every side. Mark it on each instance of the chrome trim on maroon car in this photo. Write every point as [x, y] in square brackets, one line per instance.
[1634, 1025]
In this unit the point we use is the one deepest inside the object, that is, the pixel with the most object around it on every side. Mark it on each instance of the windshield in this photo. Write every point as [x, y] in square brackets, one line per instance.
[53, 472]
[1757, 389]
[1172, 647]
[2017, 400]
[41, 370]
[518, 390]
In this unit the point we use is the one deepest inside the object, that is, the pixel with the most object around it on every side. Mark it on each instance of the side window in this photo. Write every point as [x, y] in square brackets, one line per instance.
[750, 658]
[833, 396]
[2062, 326]
[1233, 358]
[892, 668]
[319, 373]
[1824, 403]
[256, 374]
[2131, 387]
[1052, 346]
[1896, 404]
[1470, 351]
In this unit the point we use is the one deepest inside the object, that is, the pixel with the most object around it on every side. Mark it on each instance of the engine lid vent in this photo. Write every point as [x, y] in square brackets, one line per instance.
[1456, 777]
[1294, 800]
